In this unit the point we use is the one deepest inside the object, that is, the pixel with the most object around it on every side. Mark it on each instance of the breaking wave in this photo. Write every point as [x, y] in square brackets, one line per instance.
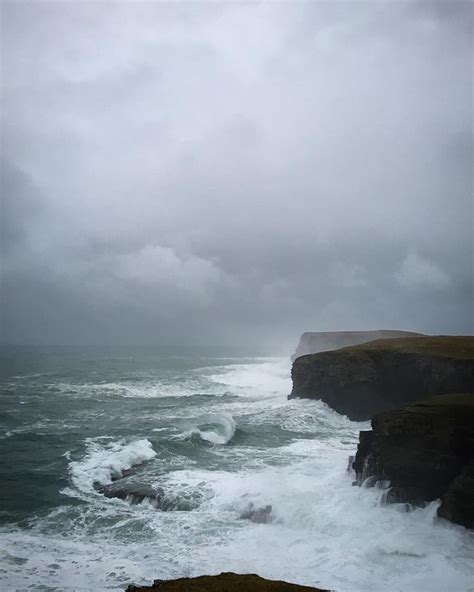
[216, 428]
[276, 501]
[102, 464]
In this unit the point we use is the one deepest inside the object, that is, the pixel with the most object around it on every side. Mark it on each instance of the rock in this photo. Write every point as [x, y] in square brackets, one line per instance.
[258, 515]
[311, 343]
[363, 380]
[458, 502]
[412, 496]
[136, 493]
[426, 451]
[224, 582]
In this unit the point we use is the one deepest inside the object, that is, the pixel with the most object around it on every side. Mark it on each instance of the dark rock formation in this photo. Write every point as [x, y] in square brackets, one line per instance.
[259, 515]
[315, 342]
[426, 451]
[134, 493]
[373, 377]
[137, 493]
[224, 582]
[458, 501]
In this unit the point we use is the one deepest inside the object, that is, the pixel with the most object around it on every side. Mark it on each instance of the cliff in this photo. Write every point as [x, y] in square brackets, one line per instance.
[426, 451]
[224, 582]
[377, 376]
[311, 343]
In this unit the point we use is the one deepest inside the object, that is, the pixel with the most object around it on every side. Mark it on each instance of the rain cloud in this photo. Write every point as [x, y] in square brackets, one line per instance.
[233, 173]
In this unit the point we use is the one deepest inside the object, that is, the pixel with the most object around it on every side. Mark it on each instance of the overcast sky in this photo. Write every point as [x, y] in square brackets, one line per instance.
[231, 173]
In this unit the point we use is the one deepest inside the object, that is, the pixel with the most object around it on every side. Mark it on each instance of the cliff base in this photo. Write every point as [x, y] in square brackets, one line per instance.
[426, 451]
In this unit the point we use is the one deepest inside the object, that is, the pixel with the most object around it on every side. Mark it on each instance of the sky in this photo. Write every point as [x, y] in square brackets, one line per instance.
[234, 173]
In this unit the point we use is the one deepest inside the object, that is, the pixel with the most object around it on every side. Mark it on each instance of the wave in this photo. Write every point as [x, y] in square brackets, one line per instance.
[102, 464]
[261, 380]
[141, 389]
[218, 428]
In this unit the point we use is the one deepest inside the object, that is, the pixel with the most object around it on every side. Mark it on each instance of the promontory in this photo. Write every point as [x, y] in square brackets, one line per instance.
[366, 379]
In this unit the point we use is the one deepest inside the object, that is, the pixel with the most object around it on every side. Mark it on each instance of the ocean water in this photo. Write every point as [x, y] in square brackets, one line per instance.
[215, 431]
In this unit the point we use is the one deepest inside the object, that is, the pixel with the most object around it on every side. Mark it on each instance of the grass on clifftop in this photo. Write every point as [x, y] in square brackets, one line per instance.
[458, 347]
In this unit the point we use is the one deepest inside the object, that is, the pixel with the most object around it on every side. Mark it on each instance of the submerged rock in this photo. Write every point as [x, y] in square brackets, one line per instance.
[134, 493]
[137, 493]
[224, 582]
[426, 451]
[314, 342]
[259, 515]
[367, 379]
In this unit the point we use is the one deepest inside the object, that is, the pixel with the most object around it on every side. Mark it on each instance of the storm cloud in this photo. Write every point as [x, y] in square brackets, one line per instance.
[230, 173]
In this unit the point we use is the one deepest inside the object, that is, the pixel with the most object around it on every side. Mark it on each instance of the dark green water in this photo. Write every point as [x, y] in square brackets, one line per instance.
[213, 430]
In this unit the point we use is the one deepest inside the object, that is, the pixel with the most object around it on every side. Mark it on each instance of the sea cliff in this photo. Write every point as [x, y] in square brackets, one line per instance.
[426, 451]
[363, 380]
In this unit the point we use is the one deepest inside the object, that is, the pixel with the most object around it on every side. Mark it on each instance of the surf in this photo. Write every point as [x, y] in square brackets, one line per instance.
[215, 428]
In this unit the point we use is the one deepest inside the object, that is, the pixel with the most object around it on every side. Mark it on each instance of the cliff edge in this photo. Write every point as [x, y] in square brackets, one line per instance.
[315, 342]
[363, 380]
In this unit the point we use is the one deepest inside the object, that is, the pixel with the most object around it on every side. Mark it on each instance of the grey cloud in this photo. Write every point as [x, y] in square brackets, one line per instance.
[223, 173]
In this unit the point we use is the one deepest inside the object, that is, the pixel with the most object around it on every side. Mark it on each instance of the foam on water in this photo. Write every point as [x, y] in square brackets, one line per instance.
[145, 389]
[325, 531]
[322, 530]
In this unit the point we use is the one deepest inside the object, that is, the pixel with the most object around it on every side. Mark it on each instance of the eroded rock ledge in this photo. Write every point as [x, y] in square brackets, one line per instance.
[426, 451]
[377, 376]
[224, 582]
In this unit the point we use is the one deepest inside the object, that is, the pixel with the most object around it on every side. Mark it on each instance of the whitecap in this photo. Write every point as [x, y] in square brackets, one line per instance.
[104, 463]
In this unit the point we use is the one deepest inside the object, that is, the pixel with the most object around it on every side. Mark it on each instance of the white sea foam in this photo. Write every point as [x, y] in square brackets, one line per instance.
[324, 532]
[103, 463]
[145, 389]
[255, 380]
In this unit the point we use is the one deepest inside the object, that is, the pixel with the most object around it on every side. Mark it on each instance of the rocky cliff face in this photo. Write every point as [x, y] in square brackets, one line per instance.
[426, 451]
[224, 582]
[367, 379]
[311, 343]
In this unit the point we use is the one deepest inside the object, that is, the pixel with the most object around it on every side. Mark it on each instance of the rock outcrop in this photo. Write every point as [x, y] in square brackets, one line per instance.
[224, 582]
[377, 376]
[426, 451]
[134, 493]
[137, 493]
[315, 342]
[261, 515]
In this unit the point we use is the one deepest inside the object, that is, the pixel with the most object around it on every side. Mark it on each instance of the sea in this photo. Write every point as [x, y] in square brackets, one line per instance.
[248, 481]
